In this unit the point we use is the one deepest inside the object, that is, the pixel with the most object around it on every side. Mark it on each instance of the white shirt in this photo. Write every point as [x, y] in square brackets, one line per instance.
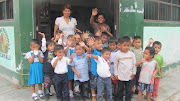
[61, 66]
[112, 59]
[67, 29]
[103, 68]
[36, 58]
[124, 65]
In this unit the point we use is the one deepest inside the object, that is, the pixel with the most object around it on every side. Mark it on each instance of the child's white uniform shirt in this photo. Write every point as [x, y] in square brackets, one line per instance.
[103, 68]
[61, 66]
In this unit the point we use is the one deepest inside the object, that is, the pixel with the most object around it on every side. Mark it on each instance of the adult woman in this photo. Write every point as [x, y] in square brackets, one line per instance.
[66, 23]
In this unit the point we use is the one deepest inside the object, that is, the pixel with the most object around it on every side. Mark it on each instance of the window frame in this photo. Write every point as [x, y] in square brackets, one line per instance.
[167, 4]
[6, 19]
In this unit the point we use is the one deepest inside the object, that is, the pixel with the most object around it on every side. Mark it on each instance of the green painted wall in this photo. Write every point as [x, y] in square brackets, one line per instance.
[131, 17]
[23, 33]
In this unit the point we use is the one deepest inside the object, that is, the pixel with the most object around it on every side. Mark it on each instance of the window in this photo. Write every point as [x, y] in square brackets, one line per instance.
[6, 9]
[164, 10]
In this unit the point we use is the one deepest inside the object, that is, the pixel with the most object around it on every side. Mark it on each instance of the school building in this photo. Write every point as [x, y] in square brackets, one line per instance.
[20, 20]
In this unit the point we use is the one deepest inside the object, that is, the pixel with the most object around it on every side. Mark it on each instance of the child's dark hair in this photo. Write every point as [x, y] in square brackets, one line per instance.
[70, 36]
[35, 41]
[105, 49]
[97, 38]
[49, 42]
[151, 50]
[79, 45]
[137, 37]
[58, 47]
[124, 39]
[157, 43]
[58, 31]
[91, 35]
[104, 34]
[112, 39]
[102, 15]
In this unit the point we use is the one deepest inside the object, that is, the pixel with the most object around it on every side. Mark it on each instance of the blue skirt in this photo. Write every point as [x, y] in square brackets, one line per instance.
[70, 73]
[36, 73]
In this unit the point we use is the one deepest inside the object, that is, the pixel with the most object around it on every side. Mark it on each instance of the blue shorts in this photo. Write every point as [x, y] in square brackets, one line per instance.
[148, 87]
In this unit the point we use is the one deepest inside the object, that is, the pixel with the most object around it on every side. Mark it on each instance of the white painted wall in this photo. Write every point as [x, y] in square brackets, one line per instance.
[170, 39]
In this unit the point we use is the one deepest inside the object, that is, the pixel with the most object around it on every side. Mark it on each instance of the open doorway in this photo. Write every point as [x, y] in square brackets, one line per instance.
[46, 11]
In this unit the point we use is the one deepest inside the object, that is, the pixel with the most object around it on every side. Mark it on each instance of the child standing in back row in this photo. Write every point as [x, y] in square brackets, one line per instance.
[137, 50]
[95, 44]
[112, 43]
[69, 50]
[148, 73]
[35, 58]
[124, 69]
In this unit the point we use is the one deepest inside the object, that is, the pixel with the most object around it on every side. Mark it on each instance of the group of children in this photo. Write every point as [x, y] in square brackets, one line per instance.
[86, 59]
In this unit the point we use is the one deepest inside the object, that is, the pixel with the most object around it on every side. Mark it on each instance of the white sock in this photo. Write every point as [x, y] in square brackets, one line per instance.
[70, 91]
[34, 94]
[40, 92]
[93, 95]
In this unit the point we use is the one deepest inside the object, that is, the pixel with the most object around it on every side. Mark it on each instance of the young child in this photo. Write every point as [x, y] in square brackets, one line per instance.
[160, 62]
[48, 51]
[137, 50]
[95, 45]
[104, 78]
[60, 68]
[118, 44]
[112, 43]
[77, 37]
[104, 38]
[100, 26]
[148, 73]
[69, 50]
[124, 69]
[80, 68]
[35, 58]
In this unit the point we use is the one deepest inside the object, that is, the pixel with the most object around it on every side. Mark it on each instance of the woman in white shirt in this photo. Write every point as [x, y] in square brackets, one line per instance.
[65, 23]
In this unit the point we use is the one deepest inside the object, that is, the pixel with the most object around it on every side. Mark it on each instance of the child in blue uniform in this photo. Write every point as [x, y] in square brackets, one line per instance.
[35, 58]
[71, 41]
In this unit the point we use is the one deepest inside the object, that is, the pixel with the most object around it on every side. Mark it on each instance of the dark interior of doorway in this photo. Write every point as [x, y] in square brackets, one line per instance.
[81, 10]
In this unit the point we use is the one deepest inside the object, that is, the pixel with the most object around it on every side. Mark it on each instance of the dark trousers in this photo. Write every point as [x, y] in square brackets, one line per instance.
[78, 91]
[48, 81]
[124, 86]
[61, 84]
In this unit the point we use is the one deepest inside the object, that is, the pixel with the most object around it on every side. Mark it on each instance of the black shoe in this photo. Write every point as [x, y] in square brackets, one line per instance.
[136, 91]
[46, 97]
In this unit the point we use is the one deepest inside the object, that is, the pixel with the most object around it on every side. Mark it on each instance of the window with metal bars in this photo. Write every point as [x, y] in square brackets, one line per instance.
[164, 10]
[6, 9]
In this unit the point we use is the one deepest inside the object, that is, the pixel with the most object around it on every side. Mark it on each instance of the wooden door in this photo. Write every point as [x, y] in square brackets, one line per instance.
[42, 18]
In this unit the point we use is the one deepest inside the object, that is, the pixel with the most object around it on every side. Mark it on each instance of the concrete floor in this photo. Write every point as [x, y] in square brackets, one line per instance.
[169, 89]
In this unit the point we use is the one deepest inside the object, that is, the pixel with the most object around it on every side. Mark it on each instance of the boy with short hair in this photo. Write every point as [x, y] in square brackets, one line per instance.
[104, 38]
[160, 62]
[95, 45]
[137, 50]
[104, 78]
[124, 69]
[112, 43]
[60, 69]
[80, 69]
